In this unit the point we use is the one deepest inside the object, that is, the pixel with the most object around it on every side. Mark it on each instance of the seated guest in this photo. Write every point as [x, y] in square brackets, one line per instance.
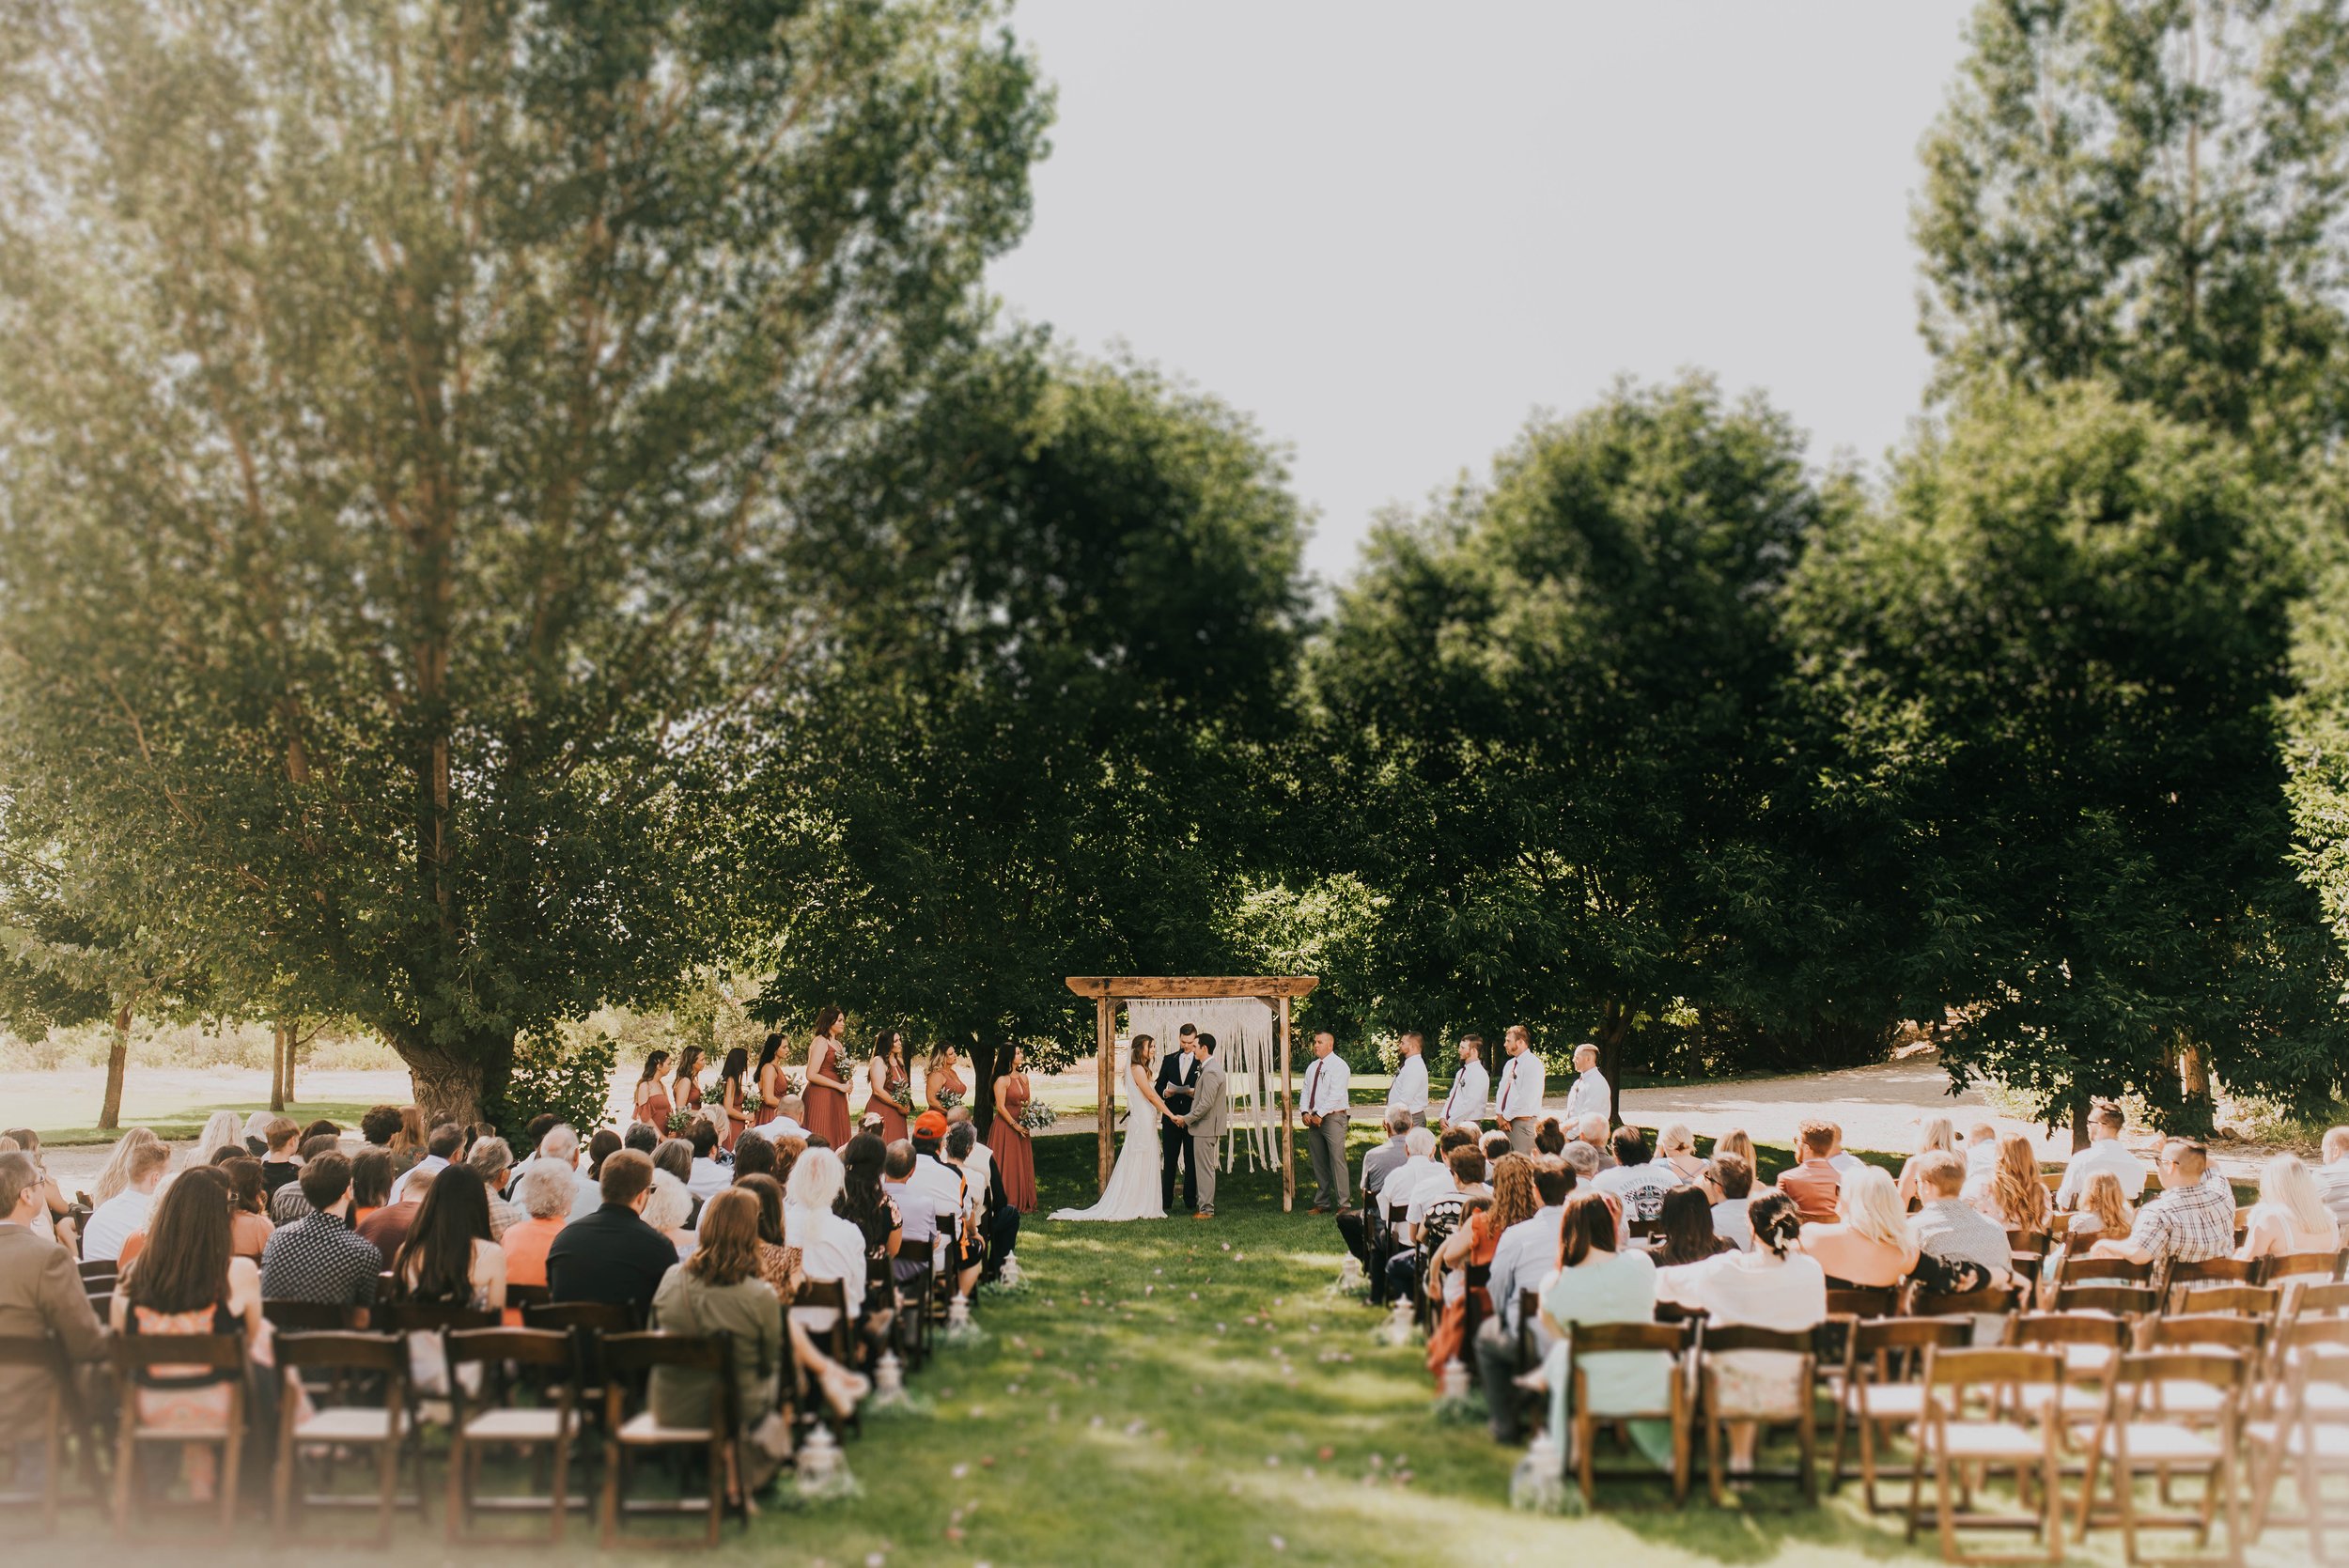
[2290, 1216]
[919, 1215]
[864, 1203]
[492, 1160]
[1982, 1155]
[1934, 1135]
[1582, 1160]
[2332, 1177]
[1814, 1182]
[1737, 1141]
[248, 1227]
[985, 1170]
[1548, 1139]
[1636, 1182]
[1958, 1248]
[407, 1148]
[40, 1297]
[831, 1247]
[2189, 1223]
[219, 1136]
[536, 1129]
[125, 1213]
[545, 1191]
[752, 1156]
[187, 1281]
[1676, 1147]
[256, 1133]
[1596, 1283]
[379, 1126]
[2105, 1153]
[1731, 1179]
[444, 1145]
[1688, 1237]
[1495, 1144]
[789, 1120]
[1591, 1131]
[319, 1257]
[2104, 1210]
[282, 1163]
[709, 1175]
[2015, 1198]
[668, 1210]
[719, 1290]
[613, 1255]
[991, 1220]
[1843, 1160]
[641, 1137]
[388, 1226]
[1437, 1211]
[52, 1221]
[370, 1184]
[1515, 1201]
[779, 1265]
[1521, 1261]
[1355, 1226]
[1775, 1286]
[676, 1156]
[1868, 1244]
[287, 1204]
[449, 1258]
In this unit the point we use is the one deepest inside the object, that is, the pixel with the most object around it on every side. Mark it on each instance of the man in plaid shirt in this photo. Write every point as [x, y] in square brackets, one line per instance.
[2192, 1220]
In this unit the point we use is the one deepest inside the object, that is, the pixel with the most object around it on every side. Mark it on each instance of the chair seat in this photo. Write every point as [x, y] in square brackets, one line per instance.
[181, 1434]
[1892, 1401]
[349, 1424]
[2068, 1399]
[1990, 1440]
[2329, 1399]
[2162, 1443]
[2332, 1442]
[516, 1427]
[2187, 1399]
[642, 1428]
[2087, 1359]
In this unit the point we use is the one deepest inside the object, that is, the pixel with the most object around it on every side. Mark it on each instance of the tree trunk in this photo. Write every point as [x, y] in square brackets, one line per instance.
[2194, 1086]
[2079, 1121]
[460, 1084]
[277, 1067]
[117, 1057]
[293, 1043]
[1614, 1022]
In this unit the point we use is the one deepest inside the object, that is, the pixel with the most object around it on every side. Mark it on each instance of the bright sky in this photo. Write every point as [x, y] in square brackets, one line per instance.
[1392, 232]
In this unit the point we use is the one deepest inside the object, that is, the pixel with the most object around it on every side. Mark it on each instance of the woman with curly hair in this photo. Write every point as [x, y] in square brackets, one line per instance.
[2015, 1197]
[1471, 1246]
[2104, 1214]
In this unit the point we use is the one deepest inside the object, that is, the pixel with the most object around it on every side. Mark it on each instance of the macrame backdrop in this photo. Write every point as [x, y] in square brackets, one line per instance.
[1248, 1043]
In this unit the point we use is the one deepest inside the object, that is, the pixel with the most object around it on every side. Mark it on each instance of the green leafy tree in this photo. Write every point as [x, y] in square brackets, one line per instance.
[1067, 639]
[404, 411]
[2149, 191]
[1547, 708]
[2053, 660]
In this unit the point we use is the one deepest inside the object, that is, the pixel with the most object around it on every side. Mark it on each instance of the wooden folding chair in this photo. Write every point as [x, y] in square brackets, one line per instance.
[44, 1354]
[2121, 1301]
[1669, 1340]
[498, 1423]
[629, 1359]
[2147, 1425]
[188, 1354]
[2186, 1276]
[98, 1276]
[912, 1331]
[2087, 1343]
[1960, 1438]
[2307, 1429]
[2321, 1300]
[2080, 1268]
[1383, 1248]
[833, 1293]
[377, 1366]
[1717, 1408]
[313, 1318]
[2319, 1267]
[1881, 1359]
[1862, 1303]
[523, 1297]
[588, 1325]
[2261, 1301]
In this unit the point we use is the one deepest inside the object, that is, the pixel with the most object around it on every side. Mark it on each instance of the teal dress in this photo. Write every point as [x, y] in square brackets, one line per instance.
[1620, 1288]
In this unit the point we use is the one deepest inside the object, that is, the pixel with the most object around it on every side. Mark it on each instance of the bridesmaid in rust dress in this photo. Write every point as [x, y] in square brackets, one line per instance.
[770, 1080]
[685, 1086]
[733, 1078]
[943, 1083]
[889, 1084]
[1014, 1156]
[827, 1082]
[652, 1096]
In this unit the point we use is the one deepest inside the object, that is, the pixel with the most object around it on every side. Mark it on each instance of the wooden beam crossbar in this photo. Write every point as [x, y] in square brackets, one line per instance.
[1191, 987]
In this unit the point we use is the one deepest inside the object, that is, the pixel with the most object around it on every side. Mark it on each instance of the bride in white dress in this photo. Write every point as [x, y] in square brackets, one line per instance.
[1133, 1189]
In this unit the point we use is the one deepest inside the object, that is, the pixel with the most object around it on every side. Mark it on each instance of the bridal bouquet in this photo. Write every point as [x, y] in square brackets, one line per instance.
[946, 1099]
[679, 1121]
[902, 1097]
[1035, 1116]
[751, 1100]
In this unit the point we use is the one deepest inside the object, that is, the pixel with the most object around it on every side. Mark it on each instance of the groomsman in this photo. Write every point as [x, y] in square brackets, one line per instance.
[1327, 1088]
[1470, 1086]
[1589, 1095]
[1520, 1098]
[1408, 1092]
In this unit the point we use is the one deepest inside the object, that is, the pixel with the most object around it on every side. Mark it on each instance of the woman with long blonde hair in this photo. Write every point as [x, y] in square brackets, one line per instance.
[2291, 1215]
[1676, 1146]
[223, 1129]
[2104, 1213]
[2016, 1198]
[1737, 1141]
[117, 1173]
[1867, 1246]
[1934, 1135]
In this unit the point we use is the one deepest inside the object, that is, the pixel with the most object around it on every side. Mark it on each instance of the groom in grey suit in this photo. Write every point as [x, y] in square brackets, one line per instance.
[1204, 1121]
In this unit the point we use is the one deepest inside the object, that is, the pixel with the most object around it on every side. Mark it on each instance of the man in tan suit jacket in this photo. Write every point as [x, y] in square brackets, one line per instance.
[40, 1292]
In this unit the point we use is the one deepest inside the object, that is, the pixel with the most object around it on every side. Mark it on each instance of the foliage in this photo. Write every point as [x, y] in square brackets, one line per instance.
[2151, 191]
[404, 415]
[2051, 663]
[1328, 927]
[566, 1071]
[1547, 705]
[1066, 634]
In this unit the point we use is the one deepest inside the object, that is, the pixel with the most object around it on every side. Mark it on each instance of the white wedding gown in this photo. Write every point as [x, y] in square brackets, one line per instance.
[1133, 1189]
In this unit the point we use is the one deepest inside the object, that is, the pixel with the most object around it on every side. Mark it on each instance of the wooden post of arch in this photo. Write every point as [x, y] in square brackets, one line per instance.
[1106, 991]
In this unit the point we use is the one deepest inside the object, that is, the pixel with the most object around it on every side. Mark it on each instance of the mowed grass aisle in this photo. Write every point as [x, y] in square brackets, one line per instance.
[1192, 1392]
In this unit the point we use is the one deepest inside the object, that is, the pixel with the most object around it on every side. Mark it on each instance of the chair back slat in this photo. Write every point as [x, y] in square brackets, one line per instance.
[534, 1348]
[313, 1318]
[638, 1352]
[358, 1352]
[2234, 1332]
[2070, 1328]
[1984, 1303]
[1596, 1339]
[2248, 1301]
[2119, 1300]
[600, 1318]
[2219, 1369]
[2078, 1267]
[1872, 1337]
[1947, 1368]
[1848, 1302]
[2215, 1271]
[212, 1352]
[2324, 1299]
[1738, 1336]
[2293, 1265]
[417, 1317]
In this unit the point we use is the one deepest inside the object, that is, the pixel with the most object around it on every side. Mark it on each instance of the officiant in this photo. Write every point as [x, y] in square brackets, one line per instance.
[1178, 1076]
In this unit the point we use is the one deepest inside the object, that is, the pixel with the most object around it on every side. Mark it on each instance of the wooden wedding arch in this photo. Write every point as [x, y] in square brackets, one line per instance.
[1276, 992]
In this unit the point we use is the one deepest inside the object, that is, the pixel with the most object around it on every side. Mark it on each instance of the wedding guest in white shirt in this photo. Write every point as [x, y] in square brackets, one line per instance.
[1408, 1092]
[1521, 1095]
[1471, 1086]
[1636, 1182]
[1591, 1131]
[124, 1215]
[1590, 1094]
[1522, 1259]
[1846, 1163]
[1328, 1094]
[1730, 1180]
[440, 1148]
[2105, 1153]
[1420, 1167]
[786, 1122]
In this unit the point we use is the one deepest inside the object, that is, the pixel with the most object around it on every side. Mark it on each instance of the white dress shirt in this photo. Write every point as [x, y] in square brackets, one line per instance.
[1520, 1087]
[831, 1248]
[1409, 1089]
[1400, 1187]
[2102, 1155]
[1526, 1251]
[917, 1214]
[1328, 1086]
[114, 1222]
[979, 1165]
[781, 1128]
[1471, 1096]
[421, 1173]
[1847, 1164]
[707, 1178]
[942, 1184]
[1588, 1097]
[1732, 1223]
